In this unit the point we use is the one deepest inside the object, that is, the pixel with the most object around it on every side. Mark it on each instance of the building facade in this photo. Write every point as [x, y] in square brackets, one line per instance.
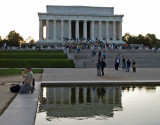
[62, 23]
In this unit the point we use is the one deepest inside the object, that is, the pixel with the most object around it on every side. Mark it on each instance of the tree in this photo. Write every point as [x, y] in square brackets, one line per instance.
[32, 41]
[14, 38]
[148, 40]
[1, 41]
[152, 39]
[126, 37]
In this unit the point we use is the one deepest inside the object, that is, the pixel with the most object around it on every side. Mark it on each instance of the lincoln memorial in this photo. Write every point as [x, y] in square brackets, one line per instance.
[81, 23]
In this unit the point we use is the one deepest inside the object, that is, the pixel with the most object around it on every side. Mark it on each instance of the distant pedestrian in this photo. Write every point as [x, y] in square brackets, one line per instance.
[104, 55]
[116, 63]
[123, 62]
[128, 65]
[98, 68]
[103, 65]
[119, 57]
[5, 45]
[93, 55]
[99, 54]
[134, 66]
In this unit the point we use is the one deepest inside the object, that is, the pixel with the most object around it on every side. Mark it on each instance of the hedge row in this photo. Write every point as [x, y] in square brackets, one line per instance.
[36, 63]
[33, 56]
[32, 51]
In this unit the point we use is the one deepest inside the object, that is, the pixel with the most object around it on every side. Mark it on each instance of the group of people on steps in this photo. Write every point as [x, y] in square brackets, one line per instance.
[101, 64]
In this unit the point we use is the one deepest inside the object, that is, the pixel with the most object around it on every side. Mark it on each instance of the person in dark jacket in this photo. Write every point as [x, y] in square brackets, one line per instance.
[116, 63]
[128, 65]
[103, 64]
[99, 55]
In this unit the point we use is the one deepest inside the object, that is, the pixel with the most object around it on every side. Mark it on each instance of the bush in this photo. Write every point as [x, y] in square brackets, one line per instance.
[33, 56]
[36, 63]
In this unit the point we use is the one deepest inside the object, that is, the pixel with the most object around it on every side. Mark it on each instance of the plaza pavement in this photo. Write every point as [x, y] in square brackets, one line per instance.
[88, 75]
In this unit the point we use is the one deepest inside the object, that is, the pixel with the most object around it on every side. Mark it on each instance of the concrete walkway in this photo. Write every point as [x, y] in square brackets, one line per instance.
[22, 111]
[89, 74]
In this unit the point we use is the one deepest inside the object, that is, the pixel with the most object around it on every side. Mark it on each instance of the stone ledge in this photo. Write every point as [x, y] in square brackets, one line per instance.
[68, 83]
[22, 110]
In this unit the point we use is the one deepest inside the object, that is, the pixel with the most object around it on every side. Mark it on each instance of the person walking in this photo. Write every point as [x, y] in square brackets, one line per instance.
[116, 64]
[123, 62]
[28, 79]
[128, 65]
[134, 66]
[104, 55]
[98, 68]
[103, 65]
[99, 55]
[93, 55]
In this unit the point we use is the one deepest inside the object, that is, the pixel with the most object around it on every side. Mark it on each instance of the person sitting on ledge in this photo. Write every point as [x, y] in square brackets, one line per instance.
[28, 79]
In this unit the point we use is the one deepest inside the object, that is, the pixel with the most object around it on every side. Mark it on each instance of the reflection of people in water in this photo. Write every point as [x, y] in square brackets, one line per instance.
[101, 92]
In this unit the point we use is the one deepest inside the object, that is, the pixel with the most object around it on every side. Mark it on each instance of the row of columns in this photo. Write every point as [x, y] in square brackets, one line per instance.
[77, 30]
[110, 94]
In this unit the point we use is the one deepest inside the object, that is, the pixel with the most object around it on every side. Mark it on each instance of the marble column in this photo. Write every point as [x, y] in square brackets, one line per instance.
[40, 30]
[114, 30]
[107, 30]
[77, 29]
[54, 30]
[85, 29]
[92, 30]
[100, 30]
[120, 30]
[62, 30]
[69, 29]
[47, 29]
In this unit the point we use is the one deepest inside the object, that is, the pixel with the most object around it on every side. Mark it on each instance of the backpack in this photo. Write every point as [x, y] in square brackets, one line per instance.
[15, 88]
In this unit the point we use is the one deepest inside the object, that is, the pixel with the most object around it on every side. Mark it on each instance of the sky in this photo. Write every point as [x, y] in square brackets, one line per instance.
[140, 16]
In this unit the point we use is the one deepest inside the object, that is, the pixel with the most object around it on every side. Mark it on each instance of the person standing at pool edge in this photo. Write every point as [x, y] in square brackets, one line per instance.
[26, 87]
[134, 66]
[103, 65]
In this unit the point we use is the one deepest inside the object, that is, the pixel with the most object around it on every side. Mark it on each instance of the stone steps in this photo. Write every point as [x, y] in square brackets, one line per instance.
[144, 59]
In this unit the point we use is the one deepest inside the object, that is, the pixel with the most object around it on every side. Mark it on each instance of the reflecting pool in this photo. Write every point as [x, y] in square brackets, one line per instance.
[99, 105]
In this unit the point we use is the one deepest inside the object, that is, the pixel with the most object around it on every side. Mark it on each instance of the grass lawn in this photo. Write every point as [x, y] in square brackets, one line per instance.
[13, 71]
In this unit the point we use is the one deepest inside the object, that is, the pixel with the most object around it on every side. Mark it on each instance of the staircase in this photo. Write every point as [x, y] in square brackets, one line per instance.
[143, 58]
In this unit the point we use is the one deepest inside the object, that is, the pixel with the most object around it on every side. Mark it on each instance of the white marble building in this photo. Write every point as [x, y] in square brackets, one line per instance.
[76, 22]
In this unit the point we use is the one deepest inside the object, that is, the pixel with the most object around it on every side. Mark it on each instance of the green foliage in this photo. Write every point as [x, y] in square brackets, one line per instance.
[13, 71]
[36, 63]
[33, 56]
[14, 38]
[148, 40]
[32, 41]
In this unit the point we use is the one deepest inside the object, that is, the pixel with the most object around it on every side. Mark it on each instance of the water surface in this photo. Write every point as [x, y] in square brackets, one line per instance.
[99, 105]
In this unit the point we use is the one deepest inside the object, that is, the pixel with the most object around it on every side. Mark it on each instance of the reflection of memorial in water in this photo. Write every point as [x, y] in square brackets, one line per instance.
[80, 101]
